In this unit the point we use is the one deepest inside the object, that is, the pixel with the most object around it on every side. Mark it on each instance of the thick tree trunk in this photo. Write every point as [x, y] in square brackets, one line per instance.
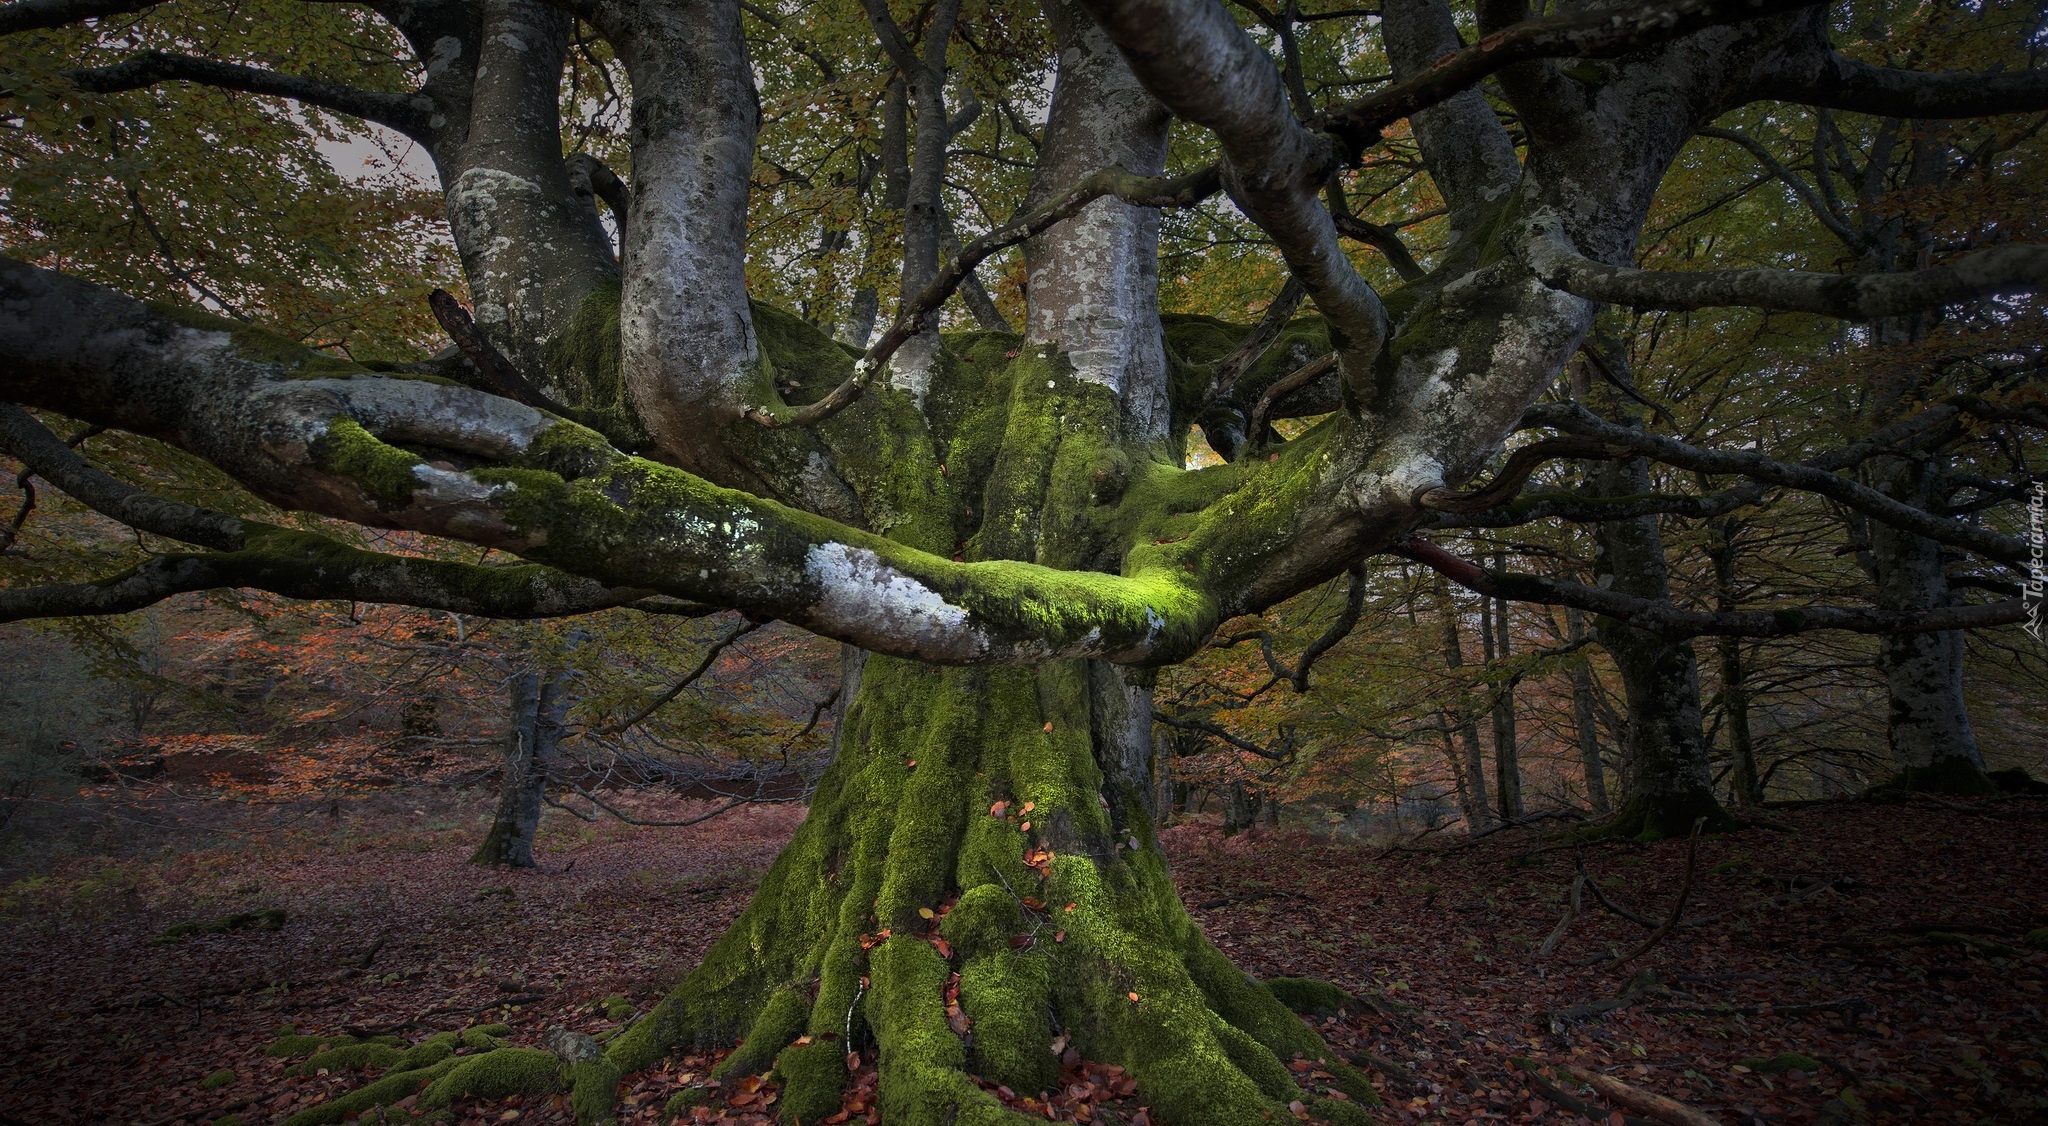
[539, 711]
[1584, 716]
[1928, 725]
[987, 799]
[1670, 785]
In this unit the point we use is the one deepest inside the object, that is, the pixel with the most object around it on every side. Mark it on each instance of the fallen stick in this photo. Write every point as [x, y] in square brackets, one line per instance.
[1571, 912]
[1568, 1101]
[1668, 1111]
[1618, 909]
[1692, 856]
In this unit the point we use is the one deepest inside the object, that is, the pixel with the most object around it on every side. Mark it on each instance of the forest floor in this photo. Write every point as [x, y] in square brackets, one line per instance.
[1859, 963]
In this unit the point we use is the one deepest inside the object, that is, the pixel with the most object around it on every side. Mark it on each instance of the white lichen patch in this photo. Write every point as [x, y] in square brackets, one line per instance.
[867, 600]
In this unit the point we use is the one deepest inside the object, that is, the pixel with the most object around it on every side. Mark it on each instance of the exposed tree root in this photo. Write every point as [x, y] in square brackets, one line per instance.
[969, 897]
[1646, 819]
[1957, 776]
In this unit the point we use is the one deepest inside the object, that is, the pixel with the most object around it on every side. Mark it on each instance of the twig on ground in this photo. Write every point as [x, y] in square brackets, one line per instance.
[1668, 1111]
[1569, 1102]
[1618, 909]
[1571, 912]
[1692, 858]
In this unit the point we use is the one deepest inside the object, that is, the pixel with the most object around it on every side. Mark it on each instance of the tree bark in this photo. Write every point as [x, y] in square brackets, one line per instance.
[1053, 910]
[1670, 784]
[1507, 769]
[1928, 724]
[1479, 813]
[1745, 783]
[539, 707]
[1584, 717]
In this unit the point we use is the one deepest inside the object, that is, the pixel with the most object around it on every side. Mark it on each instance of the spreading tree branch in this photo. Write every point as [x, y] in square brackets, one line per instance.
[1995, 272]
[35, 15]
[1832, 80]
[1668, 621]
[410, 114]
[1814, 477]
[1601, 33]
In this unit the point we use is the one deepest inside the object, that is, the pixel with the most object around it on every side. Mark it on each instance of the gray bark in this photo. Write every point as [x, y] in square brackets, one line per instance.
[1585, 717]
[531, 246]
[1095, 277]
[539, 713]
[1478, 811]
[1670, 782]
[1928, 724]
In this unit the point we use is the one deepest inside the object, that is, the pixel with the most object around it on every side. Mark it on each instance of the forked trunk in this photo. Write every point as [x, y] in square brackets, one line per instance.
[979, 831]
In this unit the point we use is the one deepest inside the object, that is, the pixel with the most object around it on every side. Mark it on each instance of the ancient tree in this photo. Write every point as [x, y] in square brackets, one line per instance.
[1001, 523]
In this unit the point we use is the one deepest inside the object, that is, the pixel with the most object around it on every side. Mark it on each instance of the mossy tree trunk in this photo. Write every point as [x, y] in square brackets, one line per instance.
[980, 828]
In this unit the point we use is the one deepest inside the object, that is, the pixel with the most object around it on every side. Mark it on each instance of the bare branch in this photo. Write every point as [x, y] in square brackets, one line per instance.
[52, 459]
[1601, 33]
[1208, 728]
[1832, 80]
[1668, 621]
[1816, 477]
[34, 15]
[410, 114]
[710, 658]
[1523, 462]
[1806, 192]
[1858, 297]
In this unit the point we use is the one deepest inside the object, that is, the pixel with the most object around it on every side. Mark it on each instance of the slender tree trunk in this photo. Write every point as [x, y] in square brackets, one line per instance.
[1745, 783]
[1507, 768]
[1479, 814]
[1670, 784]
[539, 711]
[1584, 715]
[1447, 728]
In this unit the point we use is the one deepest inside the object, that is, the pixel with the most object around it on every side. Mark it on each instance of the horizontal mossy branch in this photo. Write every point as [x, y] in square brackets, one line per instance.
[390, 452]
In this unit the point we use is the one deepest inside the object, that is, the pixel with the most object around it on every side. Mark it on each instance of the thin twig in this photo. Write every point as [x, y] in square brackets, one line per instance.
[1692, 850]
[1571, 912]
